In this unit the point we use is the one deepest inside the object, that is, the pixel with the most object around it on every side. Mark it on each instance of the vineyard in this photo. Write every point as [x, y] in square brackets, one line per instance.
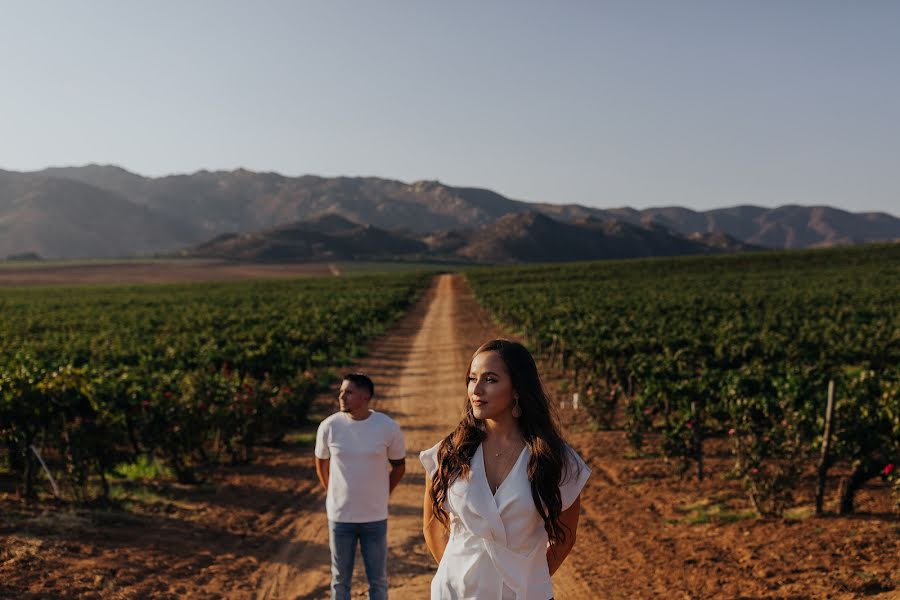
[93, 380]
[142, 386]
[739, 350]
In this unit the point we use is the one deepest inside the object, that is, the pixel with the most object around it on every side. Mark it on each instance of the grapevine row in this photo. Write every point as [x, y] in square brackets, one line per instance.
[738, 347]
[91, 378]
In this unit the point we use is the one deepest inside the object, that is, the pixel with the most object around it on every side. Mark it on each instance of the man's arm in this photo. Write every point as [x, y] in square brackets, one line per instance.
[322, 465]
[396, 447]
[398, 468]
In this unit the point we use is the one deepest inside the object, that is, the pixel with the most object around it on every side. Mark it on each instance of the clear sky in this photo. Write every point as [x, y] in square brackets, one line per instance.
[701, 104]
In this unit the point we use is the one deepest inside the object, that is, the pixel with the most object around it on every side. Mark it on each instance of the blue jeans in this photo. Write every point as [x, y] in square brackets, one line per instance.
[372, 537]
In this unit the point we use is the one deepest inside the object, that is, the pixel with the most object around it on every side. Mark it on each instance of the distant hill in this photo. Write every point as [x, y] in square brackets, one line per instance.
[783, 227]
[533, 236]
[24, 257]
[242, 200]
[329, 237]
[519, 237]
[723, 242]
[60, 218]
[103, 210]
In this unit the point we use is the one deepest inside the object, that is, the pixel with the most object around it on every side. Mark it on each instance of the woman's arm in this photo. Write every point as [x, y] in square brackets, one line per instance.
[557, 553]
[436, 535]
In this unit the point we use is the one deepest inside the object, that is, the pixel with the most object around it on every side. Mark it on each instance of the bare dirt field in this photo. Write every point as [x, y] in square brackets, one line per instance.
[259, 531]
[155, 272]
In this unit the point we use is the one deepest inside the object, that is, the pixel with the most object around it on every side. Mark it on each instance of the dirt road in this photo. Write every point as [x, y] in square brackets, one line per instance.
[419, 371]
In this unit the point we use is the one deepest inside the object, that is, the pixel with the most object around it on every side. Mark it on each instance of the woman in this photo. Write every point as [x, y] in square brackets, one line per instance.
[501, 491]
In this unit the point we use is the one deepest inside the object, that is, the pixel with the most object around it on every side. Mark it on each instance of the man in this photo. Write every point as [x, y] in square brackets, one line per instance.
[353, 450]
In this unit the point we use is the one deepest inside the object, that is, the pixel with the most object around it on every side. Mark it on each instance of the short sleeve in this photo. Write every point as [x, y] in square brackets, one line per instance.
[397, 447]
[429, 459]
[322, 436]
[577, 473]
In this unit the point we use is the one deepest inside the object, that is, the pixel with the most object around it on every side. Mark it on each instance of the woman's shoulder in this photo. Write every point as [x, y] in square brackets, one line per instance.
[574, 465]
[575, 476]
[434, 449]
[429, 458]
[570, 451]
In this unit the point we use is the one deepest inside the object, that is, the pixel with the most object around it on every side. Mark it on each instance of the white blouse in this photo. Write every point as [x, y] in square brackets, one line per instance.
[498, 544]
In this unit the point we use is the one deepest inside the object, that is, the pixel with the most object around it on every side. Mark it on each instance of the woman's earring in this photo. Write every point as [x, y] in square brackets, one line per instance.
[516, 411]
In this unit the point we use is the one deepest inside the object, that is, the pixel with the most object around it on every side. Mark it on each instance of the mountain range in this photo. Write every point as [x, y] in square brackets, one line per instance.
[516, 237]
[105, 211]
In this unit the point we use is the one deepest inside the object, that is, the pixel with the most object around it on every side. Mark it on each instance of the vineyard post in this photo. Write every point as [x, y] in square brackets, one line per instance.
[30, 467]
[698, 440]
[577, 392]
[46, 470]
[826, 442]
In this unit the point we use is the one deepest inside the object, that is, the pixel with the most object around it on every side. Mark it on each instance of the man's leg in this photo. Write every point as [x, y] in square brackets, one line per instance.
[373, 543]
[342, 540]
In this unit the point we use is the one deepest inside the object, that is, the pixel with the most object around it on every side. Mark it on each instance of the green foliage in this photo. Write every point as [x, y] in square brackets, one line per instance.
[734, 346]
[188, 374]
[142, 468]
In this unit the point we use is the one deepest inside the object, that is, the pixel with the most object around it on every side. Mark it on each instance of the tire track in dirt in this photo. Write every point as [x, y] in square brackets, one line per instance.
[427, 404]
[300, 568]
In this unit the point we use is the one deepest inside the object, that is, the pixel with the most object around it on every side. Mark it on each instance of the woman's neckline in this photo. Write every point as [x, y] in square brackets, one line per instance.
[508, 473]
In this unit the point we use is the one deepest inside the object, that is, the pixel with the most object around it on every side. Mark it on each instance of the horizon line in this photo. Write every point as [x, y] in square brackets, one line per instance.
[439, 182]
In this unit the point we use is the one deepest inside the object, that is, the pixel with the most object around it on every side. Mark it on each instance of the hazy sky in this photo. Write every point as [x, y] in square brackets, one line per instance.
[703, 104]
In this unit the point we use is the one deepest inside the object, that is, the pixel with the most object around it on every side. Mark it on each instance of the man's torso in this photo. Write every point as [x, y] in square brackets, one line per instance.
[359, 453]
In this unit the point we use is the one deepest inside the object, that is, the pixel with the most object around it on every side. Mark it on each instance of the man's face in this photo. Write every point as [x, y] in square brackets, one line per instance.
[352, 398]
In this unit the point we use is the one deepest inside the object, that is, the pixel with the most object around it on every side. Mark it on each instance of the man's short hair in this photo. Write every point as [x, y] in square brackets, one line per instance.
[360, 380]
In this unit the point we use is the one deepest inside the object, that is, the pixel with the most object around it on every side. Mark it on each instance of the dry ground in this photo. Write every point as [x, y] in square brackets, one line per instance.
[185, 271]
[259, 531]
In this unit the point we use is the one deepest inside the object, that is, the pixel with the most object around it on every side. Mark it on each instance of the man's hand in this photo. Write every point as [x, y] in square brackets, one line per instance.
[322, 465]
[398, 468]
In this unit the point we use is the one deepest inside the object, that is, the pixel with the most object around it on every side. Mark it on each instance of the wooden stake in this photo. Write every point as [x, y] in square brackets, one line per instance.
[698, 440]
[826, 442]
[46, 470]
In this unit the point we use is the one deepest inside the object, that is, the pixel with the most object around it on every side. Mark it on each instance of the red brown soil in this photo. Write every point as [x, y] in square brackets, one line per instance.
[155, 272]
[259, 530]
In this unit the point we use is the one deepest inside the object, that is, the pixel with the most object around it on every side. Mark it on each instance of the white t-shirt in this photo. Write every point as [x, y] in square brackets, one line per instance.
[358, 482]
[498, 544]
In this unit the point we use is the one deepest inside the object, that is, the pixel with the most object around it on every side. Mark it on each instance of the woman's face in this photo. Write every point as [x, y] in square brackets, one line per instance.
[490, 388]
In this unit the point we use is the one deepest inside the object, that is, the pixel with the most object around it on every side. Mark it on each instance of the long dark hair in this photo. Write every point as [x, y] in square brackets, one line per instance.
[537, 424]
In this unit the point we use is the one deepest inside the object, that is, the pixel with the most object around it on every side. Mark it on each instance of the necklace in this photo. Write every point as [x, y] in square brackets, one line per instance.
[499, 454]
[504, 464]
[502, 452]
[504, 470]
